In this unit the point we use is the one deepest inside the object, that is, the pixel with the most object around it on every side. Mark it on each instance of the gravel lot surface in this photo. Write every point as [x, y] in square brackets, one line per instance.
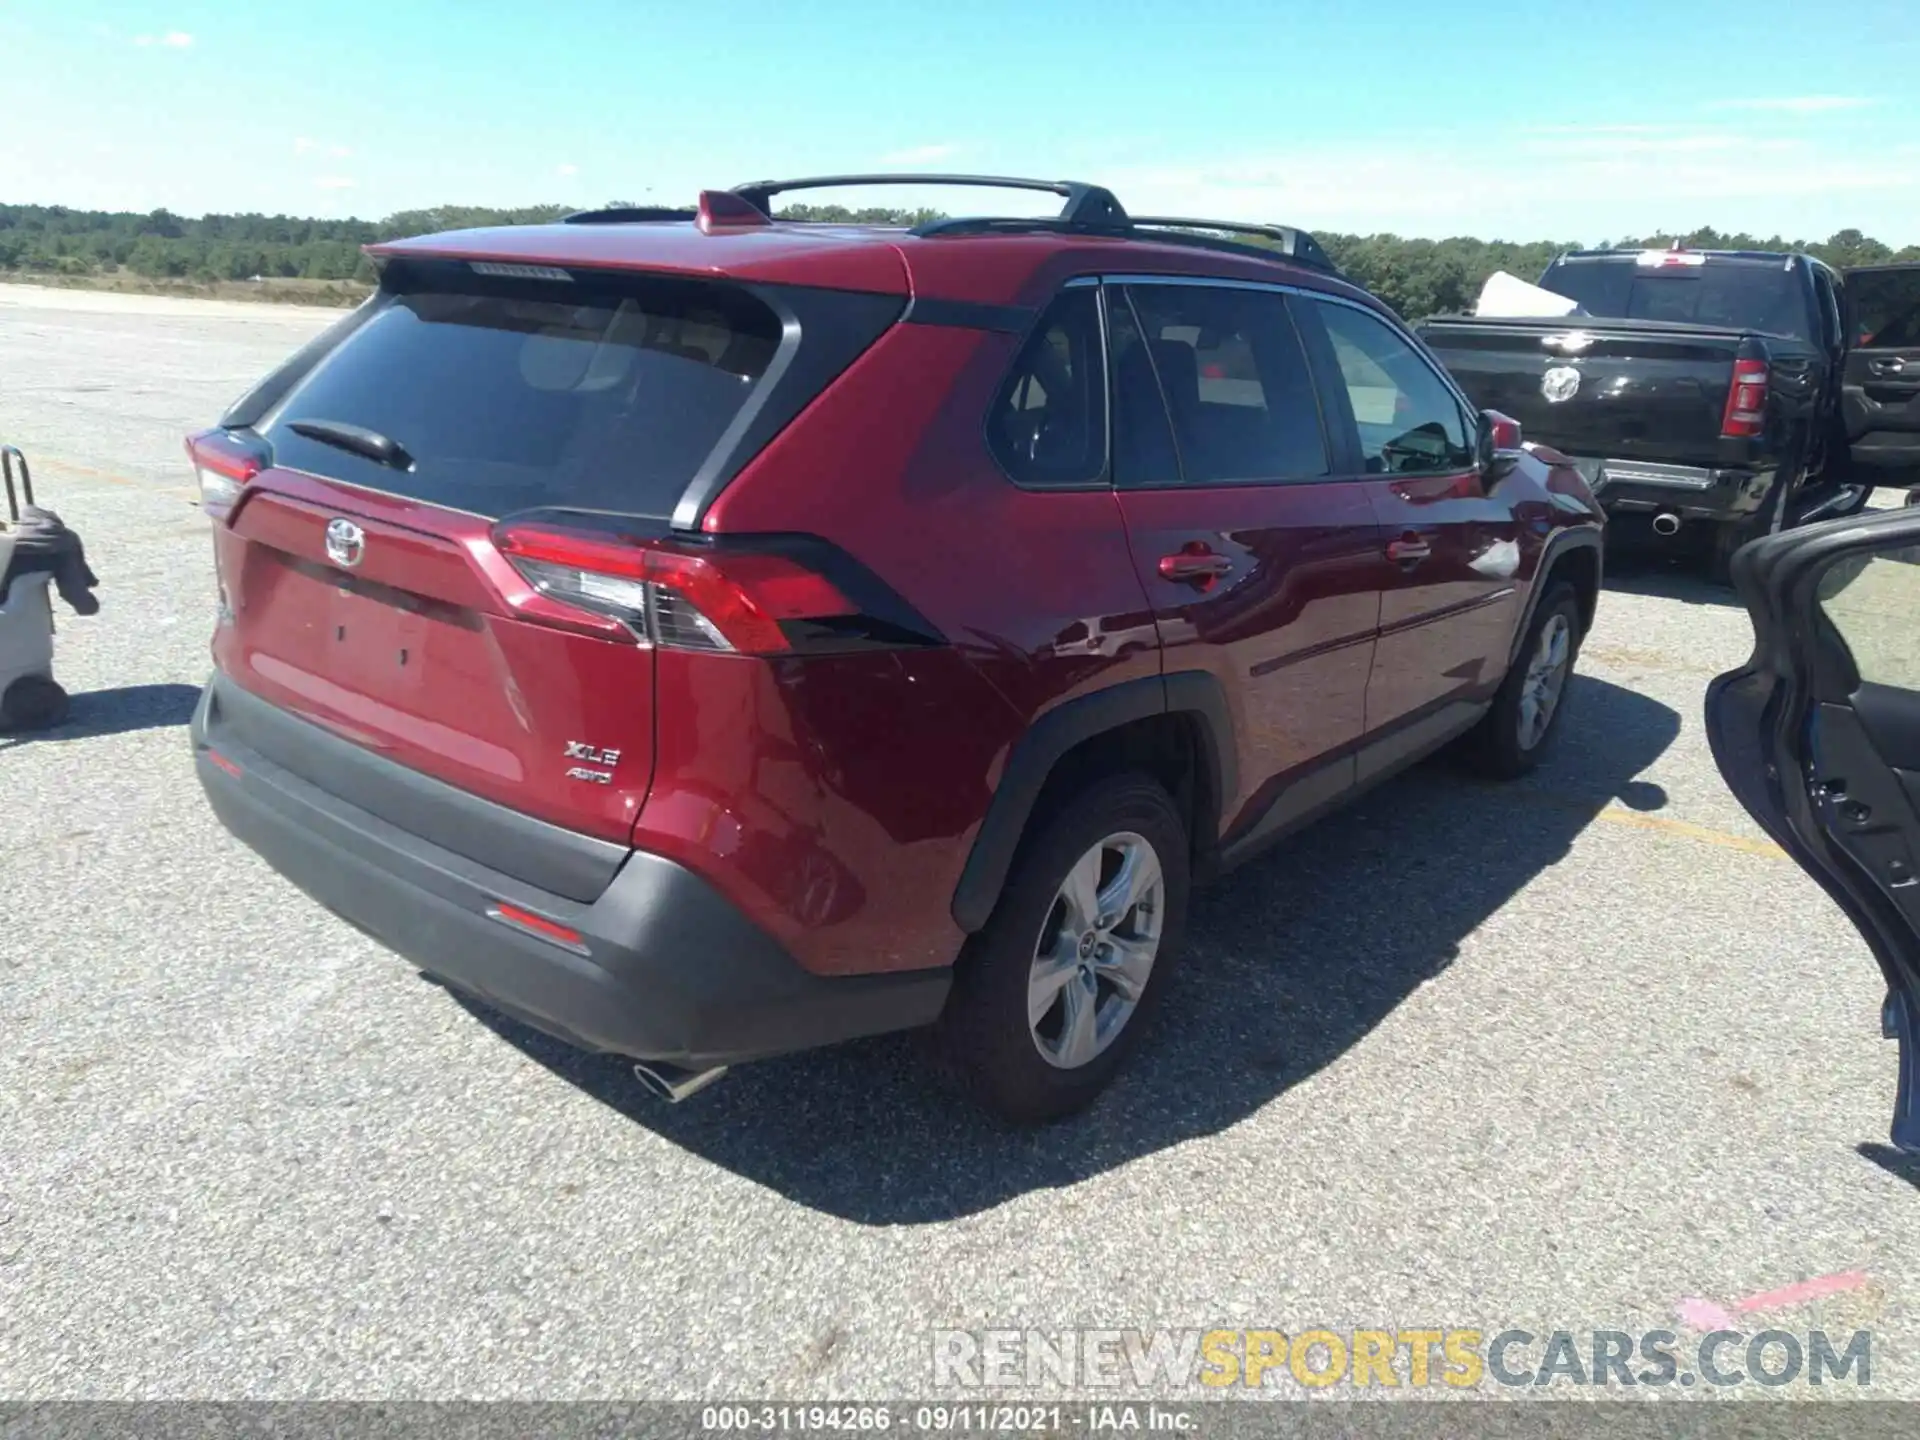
[1560, 1055]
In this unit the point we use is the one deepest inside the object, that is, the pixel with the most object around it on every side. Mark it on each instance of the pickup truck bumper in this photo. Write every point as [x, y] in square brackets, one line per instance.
[1634, 487]
[1723, 496]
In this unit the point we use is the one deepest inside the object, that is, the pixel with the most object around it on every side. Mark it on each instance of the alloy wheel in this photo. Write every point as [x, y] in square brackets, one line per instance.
[1096, 950]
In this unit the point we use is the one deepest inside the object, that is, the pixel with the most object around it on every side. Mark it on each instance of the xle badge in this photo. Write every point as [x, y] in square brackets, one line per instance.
[580, 750]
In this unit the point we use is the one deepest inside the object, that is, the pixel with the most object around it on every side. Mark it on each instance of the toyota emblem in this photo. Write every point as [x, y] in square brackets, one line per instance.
[346, 543]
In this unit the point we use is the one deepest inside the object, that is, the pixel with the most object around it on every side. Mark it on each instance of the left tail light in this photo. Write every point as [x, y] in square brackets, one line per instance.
[687, 595]
[224, 466]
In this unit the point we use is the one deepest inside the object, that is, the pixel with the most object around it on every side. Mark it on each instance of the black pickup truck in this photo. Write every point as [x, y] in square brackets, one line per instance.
[1712, 394]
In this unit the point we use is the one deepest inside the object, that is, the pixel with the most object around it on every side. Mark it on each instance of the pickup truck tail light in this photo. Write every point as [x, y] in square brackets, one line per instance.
[1746, 413]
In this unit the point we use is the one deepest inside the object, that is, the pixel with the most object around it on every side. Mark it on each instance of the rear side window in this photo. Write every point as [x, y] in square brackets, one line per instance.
[1409, 421]
[1885, 306]
[1731, 294]
[1048, 424]
[1235, 382]
[597, 395]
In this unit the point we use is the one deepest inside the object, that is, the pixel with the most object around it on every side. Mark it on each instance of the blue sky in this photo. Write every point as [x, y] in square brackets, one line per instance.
[1526, 121]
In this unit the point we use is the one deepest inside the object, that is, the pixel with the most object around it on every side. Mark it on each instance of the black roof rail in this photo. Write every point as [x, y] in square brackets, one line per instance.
[627, 215]
[1088, 210]
[1086, 205]
[1295, 244]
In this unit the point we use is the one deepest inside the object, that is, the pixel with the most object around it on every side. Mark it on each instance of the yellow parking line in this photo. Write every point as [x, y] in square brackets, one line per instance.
[1620, 815]
[70, 467]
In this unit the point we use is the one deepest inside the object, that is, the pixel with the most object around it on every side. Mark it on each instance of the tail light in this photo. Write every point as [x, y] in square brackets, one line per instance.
[1746, 400]
[224, 466]
[679, 594]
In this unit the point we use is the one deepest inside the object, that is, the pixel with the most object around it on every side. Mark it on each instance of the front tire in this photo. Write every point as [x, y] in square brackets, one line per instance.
[1057, 987]
[1514, 735]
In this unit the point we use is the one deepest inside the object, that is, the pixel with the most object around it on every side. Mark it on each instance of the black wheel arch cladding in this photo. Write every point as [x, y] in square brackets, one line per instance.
[1194, 693]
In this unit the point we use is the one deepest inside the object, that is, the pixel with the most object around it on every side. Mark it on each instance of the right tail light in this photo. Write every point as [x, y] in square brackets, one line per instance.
[678, 594]
[1746, 413]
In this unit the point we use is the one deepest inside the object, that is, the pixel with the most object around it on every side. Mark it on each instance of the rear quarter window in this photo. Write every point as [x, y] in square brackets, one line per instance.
[603, 395]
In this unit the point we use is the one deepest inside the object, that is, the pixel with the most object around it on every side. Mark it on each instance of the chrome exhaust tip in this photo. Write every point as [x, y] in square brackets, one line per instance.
[673, 1084]
[1666, 523]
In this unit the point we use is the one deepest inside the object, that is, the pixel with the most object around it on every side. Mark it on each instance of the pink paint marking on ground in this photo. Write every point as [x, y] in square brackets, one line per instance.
[1802, 1291]
[1698, 1314]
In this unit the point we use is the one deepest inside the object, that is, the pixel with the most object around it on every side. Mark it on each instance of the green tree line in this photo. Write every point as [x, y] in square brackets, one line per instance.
[1416, 277]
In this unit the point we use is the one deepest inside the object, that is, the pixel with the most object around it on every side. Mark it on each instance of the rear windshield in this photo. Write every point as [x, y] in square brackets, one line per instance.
[1735, 294]
[508, 395]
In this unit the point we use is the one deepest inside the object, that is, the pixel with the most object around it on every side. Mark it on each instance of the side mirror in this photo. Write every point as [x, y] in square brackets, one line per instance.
[1497, 436]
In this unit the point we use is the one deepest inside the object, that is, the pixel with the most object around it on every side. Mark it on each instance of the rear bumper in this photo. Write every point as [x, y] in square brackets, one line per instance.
[671, 970]
[1693, 493]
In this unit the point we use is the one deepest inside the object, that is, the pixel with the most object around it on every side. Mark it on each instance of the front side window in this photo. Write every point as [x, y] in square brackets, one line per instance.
[1409, 421]
[1048, 424]
[1235, 381]
[1871, 600]
[1886, 308]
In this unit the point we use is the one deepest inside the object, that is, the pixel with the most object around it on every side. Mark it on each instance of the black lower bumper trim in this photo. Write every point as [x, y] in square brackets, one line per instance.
[673, 970]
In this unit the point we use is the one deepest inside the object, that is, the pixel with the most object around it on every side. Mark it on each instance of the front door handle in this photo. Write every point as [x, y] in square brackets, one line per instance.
[1893, 365]
[1408, 551]
[1194, 564]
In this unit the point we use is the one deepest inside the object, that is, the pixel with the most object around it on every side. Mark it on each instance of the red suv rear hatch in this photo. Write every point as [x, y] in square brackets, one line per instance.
[447, 552]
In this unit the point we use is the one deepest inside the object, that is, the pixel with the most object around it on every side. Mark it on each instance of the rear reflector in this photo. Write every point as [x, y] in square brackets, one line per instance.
[1746, 413]
[225, 764]
[223, 466]
[551, 931]
[674, 594]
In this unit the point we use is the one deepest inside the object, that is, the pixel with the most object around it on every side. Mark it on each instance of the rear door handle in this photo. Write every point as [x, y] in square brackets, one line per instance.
[1893, 365]
[1408, 550]
[1194, 565]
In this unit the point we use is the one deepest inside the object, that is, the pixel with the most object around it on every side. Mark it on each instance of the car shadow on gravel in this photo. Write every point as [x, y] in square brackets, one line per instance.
[115, 711]
[1291, 961]
[1681, 577]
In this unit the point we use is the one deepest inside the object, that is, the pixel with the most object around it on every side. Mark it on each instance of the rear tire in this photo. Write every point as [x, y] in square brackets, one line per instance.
[1728, 539]
[1055, 990]
[33, 702]
[1514, 735]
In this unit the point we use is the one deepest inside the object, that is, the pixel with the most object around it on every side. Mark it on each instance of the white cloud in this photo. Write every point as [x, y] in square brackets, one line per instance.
[1598, 129]
[568, 169]
[1799, 104]
[334, 182]
[920, 155]
[1530, 187]
[172, 40]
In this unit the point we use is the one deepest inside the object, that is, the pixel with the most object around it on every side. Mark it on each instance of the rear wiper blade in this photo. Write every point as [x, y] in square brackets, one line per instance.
[359, 440]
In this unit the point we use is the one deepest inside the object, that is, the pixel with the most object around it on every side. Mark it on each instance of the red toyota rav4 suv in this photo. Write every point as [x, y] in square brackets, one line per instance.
[705, 637]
